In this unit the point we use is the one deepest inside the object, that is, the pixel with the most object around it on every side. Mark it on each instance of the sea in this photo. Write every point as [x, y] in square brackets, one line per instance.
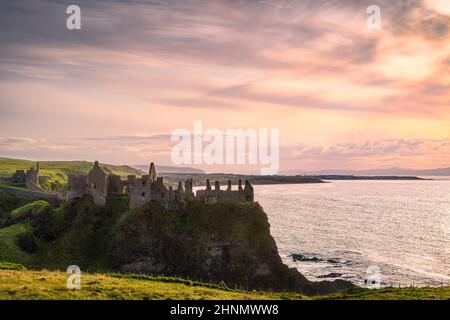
[348, 229]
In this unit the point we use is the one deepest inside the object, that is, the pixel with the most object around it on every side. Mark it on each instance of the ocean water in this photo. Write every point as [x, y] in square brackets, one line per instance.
[345, 227]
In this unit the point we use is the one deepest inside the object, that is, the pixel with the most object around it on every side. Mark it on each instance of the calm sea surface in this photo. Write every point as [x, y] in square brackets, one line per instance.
[403, 227]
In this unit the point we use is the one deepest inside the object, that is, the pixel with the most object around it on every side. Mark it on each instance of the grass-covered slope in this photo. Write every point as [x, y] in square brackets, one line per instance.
[28, 210]
[29, 285]
[409, 293]
[16, 283]
[7, 204]
[9, 243]
[23, 231]
[38, 236]
[56, 172]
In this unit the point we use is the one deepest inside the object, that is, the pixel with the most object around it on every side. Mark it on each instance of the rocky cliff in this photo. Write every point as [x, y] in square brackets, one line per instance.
[207, 242]
[218, 242]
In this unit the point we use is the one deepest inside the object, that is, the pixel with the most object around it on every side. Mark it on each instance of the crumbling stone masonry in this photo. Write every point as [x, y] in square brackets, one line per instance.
[149, 187]
[30, 177]
[228, 195]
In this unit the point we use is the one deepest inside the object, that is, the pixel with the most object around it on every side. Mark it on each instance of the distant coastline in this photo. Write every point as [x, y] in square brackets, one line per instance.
[200, 179]
[356, 177]
[55, 173]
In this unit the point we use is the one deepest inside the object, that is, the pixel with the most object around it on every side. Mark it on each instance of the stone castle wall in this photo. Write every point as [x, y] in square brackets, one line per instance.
[29, 177]
[32, 178]
[138, 190]
[231, 196]
[76, 186]
[115, 185]
[97, 184]
[149, 187]
[51, 197]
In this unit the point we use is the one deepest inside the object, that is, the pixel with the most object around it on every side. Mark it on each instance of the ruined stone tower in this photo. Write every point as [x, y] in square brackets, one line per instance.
[97, 184]
[248, 190]
[32, 177]
[152, 173]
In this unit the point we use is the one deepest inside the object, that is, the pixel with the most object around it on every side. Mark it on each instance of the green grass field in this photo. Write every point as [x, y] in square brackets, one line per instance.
[16, 284]
[49, 285]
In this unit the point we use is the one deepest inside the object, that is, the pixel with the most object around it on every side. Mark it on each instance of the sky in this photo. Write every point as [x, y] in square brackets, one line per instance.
[342, 96]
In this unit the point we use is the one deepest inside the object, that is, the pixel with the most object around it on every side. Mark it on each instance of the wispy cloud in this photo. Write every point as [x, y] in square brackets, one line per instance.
[377, 153]
[311, 68]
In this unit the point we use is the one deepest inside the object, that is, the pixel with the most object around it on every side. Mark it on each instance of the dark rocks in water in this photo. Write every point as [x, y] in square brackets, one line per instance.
[330, 275]
[332, 261]
[300, 257]
[308, 258]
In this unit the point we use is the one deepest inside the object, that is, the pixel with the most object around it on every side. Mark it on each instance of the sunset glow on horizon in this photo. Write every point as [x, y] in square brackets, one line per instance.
[343, 96]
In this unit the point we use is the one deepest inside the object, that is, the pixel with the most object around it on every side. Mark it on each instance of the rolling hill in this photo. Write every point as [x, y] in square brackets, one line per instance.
[57, 171]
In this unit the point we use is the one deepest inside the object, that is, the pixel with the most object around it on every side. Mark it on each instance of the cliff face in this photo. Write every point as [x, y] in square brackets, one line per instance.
[206, 242]
[218, 242]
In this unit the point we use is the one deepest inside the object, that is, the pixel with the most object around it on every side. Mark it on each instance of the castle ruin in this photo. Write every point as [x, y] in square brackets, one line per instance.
[149, 187]
[218, 195]
[30, 177]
